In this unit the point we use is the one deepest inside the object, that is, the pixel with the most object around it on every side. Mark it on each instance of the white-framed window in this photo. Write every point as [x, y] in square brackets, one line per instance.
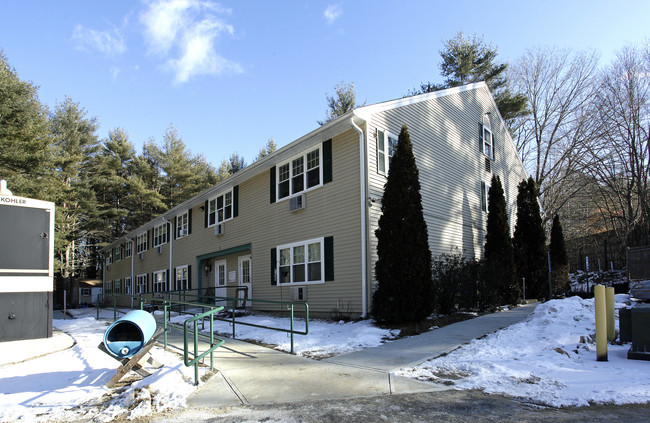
[220, 208]
[488, 146]
[85, 292]
[127, 286]
[485, 190]
[301, 173]
[108, 287]
[182, 279]
[386, 147]
[141, 283]
[141, 243]
[301, 262]
[182, 225]
[109, 258]
[118, 253]
[128, 249]
[160, 235]
[160, 281]
[118, 286]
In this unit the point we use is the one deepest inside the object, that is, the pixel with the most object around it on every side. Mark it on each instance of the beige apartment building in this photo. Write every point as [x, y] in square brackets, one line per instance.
[299, 224]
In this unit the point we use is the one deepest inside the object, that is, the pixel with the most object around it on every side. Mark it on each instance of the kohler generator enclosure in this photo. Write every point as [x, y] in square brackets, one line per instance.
[26, 267]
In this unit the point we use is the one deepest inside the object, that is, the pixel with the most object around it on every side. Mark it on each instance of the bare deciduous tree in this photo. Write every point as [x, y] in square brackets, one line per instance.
[552, 139]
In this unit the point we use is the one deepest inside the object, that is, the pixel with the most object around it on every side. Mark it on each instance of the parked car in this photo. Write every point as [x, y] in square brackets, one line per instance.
[640, 290]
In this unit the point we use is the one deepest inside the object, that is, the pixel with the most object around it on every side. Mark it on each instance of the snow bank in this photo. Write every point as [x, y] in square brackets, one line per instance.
[548, 359]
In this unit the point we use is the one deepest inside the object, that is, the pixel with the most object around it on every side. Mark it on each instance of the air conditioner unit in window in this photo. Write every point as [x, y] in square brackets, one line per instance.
[108, 267]
[140, 256]
[488, 164]
[183, 232]
[159, 250]
[297, 203]
[299, 293]
[219, 229]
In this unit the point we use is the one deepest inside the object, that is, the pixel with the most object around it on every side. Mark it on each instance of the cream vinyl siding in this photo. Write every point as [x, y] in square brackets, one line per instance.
[332, 210]
[445, 136]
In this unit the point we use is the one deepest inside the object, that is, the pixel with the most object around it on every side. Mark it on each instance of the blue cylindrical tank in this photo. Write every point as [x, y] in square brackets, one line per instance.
[127, 335]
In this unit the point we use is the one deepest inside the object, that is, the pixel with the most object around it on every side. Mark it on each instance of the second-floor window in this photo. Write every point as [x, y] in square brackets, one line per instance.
[299, 174]
[128, 249]
[141, 243]
[386, 146]
[220, 209]
[182, 225]
[160, 235]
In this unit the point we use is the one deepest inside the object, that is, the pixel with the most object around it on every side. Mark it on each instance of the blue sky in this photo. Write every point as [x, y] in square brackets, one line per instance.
[232, 74]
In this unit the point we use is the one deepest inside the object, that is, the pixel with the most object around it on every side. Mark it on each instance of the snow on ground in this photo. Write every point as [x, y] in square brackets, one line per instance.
[69, 385]
[541, 360]
[325, 338]
[544, 361]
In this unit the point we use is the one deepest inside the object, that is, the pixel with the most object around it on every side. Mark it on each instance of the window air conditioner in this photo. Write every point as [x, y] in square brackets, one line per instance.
[488, 165]
[183, 232]
[219, 229]
[299, 293]
[297, 203]
[140, 256]
[159, 250]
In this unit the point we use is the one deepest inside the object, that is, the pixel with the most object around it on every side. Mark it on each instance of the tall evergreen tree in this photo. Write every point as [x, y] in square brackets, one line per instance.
[75, 144]
[24, 135]
[269, 148]
[467, 60]
[403, 269]
[530, 241]
[559, 259]
[499, 284]
[181, 174]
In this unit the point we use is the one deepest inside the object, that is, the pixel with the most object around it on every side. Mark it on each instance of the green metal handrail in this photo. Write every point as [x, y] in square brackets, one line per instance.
[195, 329]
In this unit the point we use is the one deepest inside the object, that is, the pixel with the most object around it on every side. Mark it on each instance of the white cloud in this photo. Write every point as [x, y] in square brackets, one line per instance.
[109, 43]
[185, 32]
[332, 13]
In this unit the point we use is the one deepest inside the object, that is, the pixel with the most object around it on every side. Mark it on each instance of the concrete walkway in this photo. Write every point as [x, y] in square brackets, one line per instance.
[251, 374]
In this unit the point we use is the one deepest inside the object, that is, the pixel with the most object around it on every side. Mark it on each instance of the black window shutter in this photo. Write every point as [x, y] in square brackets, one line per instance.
[327, 161]
[175, 226]
[329, 258]
[169, 229]
[480, 137]
[146, 287]
[235, 201]
[189, 221]
[189, 276]
[274, 265]
[272, 185]
[149, 239]
[494, 146]
[205, 214]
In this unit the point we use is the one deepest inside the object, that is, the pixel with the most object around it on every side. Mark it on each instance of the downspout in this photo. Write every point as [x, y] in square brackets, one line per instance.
[171, 248]
[132, 278]
[364, 219]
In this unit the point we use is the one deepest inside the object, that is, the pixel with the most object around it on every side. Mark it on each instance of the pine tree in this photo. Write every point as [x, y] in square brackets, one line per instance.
[559, 259]
[467, 60]
[499, 284]
[403, 269]
[24, 135]
[530, 241]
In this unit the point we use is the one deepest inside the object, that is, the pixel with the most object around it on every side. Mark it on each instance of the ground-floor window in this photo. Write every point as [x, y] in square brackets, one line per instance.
[301, 262]
[160, 281]
[118, 286]
[85, 292]
[108, 287]
[182, 282]
[141, 284]
[127, 286]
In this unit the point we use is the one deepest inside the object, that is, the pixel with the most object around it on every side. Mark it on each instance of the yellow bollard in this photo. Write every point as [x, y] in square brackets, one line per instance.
[611, 319]
[601, 323]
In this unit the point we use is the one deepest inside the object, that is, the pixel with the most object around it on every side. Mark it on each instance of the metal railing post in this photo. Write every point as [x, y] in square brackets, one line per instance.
[234, 304]
[165, 322]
